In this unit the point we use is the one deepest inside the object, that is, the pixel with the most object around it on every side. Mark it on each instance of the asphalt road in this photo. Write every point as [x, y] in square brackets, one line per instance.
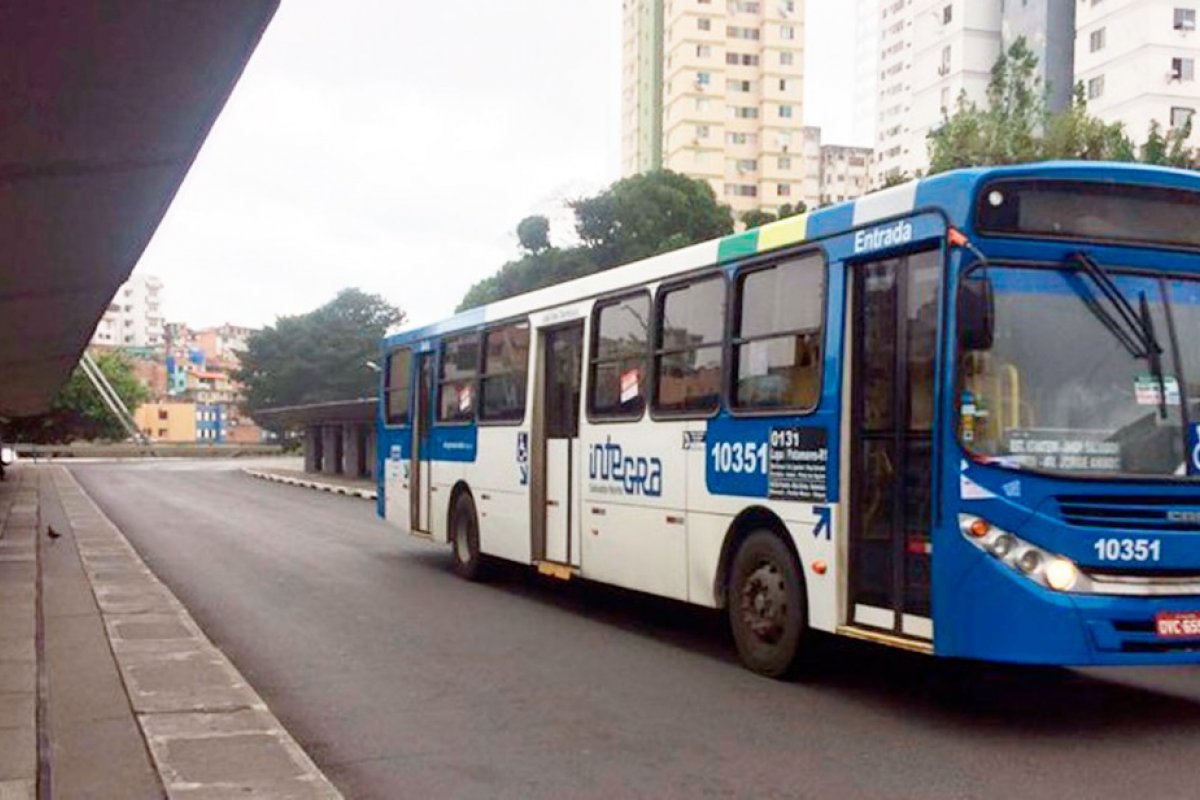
[404, 681]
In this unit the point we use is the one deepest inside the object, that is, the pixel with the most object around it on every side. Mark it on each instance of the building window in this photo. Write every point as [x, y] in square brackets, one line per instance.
[785, 162]
[741, 190]
[743, 112]
[702, 104]
[777, 336]
[785, 112]
[783, 84]
[703, 50]
[741, 59]
[1095, 87]
[704, 23]
[502, 378]
[734, 137]
[1183, 69]
[945, 99]
[620, 350]
[744, 164]
[1185, 19]
[944, 69]
[787, 32]
[456, 384]
[396, 389]
[1096, 40]
[688, 345]
[1181, 116]
[702, 131]
[947, 15]
[738, 86]
[787, 58]
[703, 78]
[742, 33]
[784, 190]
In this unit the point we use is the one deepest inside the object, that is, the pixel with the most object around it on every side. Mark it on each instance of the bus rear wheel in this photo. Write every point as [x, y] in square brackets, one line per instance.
[768, 613]
[464, 538]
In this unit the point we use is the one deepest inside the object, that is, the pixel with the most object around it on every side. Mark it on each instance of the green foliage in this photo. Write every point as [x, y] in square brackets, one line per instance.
[1016, 127]
[643, 215]
[319, 356]
[534, 234]
[78, 413]
[635, 218]
[896, 179]
[758, 217]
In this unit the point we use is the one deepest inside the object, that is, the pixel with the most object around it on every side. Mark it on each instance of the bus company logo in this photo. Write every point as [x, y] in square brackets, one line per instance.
[887, 236]
[1183, 515]
[614, 472]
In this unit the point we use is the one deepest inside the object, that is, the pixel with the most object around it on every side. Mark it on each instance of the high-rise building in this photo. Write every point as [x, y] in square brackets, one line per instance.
[731, 81]
[1137, 62]
[866, 71]
[894, 87]
[845, 173]
[641, 86]
[134, 317]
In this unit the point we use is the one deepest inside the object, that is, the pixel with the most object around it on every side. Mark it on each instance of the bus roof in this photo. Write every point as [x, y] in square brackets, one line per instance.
[953, 192]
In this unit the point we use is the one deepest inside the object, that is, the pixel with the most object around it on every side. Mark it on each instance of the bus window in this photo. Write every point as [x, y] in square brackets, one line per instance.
[620, 349]
[502, 379]
[777, 336]
[397, 387]
[687, 363]
[456, 383]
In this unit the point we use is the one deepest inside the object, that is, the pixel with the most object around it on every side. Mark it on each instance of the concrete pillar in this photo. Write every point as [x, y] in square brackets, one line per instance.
[372, 449]
[312, 448]
[351, 451]
[331, 449]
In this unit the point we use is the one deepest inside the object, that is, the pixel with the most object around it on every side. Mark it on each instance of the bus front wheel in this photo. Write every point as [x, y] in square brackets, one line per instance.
[768, 613]
[464, 532]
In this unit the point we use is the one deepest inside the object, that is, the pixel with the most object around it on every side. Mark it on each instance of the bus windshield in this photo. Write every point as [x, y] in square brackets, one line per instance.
[1060, 390]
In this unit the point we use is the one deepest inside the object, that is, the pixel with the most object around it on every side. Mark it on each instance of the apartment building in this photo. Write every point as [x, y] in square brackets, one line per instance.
[1137, 60]
[641, 86]
[894, 106]
[732, 88]
[134, 317]
[866, 71]
[845, 173]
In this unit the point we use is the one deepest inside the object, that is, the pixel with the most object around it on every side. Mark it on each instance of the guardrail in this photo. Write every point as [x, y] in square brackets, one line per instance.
[131, 450]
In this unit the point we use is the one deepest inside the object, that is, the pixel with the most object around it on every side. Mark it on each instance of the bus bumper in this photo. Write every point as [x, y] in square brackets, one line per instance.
[995, 614]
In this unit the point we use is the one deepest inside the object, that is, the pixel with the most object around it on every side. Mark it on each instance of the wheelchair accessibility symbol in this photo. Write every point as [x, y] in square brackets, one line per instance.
[1194, 449]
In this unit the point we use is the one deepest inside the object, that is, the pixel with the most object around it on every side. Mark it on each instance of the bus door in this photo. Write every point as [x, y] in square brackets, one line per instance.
[894, 334]
[420, 465]
[562, 372]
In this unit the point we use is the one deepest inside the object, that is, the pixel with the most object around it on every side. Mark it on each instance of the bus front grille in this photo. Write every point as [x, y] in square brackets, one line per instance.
[1145, 513]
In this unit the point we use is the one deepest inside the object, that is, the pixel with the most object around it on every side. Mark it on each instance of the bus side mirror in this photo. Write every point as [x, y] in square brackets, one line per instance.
[976, 313]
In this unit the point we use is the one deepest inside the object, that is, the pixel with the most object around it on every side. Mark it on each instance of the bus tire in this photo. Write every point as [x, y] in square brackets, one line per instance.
[768, 610]
[464, 538]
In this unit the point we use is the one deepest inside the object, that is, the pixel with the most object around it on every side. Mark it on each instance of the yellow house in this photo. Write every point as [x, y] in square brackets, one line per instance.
[167, 422]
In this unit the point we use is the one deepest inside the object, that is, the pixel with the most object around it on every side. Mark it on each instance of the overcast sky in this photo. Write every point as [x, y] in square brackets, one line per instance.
[394, 146]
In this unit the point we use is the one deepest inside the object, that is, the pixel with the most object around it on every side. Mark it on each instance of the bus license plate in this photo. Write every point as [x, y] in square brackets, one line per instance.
[1177, 624]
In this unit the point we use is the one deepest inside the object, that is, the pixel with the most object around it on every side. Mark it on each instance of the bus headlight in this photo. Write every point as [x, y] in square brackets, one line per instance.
[1040, 566]
[1061, 574]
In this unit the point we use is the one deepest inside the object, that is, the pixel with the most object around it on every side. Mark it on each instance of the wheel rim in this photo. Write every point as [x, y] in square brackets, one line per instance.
[462, 544]
[763, 602]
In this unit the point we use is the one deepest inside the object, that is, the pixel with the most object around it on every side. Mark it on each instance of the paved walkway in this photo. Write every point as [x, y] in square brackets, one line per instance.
[339, 484]
[108, 688]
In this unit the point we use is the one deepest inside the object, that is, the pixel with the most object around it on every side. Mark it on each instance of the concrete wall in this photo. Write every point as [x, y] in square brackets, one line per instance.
[341, 448]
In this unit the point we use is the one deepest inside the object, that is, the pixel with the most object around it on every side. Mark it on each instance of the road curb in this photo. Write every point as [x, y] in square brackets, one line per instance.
[208, 732]
[349, 491]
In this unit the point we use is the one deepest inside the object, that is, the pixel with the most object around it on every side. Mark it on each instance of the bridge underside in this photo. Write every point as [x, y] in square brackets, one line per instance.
[103, 107]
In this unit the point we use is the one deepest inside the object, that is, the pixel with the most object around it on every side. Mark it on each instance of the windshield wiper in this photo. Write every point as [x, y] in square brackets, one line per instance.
[1133, 328]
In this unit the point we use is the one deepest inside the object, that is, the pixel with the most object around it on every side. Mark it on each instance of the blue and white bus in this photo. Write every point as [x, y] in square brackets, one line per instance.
[959, 416]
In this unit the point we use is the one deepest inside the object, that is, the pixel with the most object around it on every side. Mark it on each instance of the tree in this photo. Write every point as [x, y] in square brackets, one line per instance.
[758, 217]
[1075, 134]
[534, 234]
[77, 411]
[320, 356]
[647, 214]
[634, 218]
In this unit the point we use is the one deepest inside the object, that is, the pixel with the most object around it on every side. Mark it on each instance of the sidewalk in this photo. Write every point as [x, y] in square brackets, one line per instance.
[108, 688]
[339, 484]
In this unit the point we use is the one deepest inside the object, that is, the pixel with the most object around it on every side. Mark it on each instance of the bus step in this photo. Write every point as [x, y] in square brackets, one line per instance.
[891, 639]
[564, 572]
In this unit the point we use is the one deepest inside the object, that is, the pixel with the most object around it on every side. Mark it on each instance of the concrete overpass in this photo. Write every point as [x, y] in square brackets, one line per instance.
[103, 108]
